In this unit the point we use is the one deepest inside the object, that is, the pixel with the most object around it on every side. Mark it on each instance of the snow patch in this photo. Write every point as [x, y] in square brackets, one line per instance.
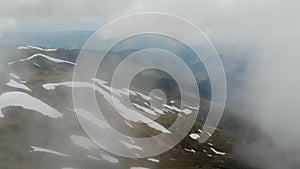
[27, 102]
[126, 112]
[144, 109]
[15, 84]
[36, 48]
[153, 160]
[83, 142]
[92, 157]
[39, 149]
[14, 76]
[194, 136]
[130, 146]
[109, 158]
[48, 58]
[190, 150]
[217, 152]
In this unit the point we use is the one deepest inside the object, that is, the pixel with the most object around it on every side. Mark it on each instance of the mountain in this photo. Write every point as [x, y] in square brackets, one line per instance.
[52, 39]
[39, 128]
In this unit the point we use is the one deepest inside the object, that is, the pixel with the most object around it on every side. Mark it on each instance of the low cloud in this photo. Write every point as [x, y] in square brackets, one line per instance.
[6, 24]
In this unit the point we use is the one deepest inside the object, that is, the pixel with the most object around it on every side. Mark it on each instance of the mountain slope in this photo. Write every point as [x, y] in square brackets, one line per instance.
[50, 136]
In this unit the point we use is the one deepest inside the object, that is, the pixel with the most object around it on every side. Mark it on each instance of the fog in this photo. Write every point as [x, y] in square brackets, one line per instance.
[264, 33]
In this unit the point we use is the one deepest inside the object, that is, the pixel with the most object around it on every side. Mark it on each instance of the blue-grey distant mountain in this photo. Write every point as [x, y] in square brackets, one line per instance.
[55, 39]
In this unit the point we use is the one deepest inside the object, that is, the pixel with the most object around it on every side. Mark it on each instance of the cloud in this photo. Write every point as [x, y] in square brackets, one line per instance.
[6, 24]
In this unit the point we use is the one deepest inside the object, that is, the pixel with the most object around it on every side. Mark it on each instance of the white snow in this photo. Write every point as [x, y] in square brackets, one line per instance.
[10, 63]
[144, 109]
[208, 134]
[52, 86]
[49, 58]
[99, 81]
[130, 146]
[15, 84]
[37, 48]
[14, 76]
[128, 124]
[144, 96]
[158, 110]
[50, 50]
[23, 47]
[217, 152]
[158, 98]
[92, 157]
[134, 116]
[191, 107]
[83, 142]
[128, 113]
[186, 111]
[172, 107]
[172, 101]
[190, 150]
[194, 136]
[27, 102]
[129, 91]
[90, 117]
[38, 149]
[153, 160]
[109, 158]
[36, 64]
